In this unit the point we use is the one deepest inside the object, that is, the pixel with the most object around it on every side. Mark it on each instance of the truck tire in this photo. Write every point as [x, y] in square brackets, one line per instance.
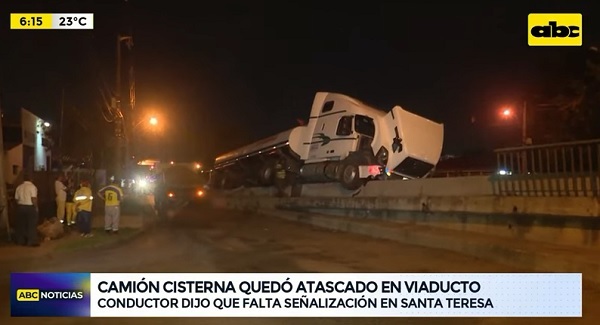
[161, 209]
[216, 179]
[350, 176]
[266, 173]
[224, 182]
[231, 181]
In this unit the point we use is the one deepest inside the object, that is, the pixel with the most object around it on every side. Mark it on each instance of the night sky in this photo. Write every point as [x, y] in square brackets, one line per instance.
[226, 73]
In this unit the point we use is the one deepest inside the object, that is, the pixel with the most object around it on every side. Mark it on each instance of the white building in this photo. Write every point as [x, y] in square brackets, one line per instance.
[26, 145]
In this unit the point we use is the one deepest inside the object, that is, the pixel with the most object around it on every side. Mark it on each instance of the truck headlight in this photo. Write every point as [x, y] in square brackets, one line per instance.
[382, 156]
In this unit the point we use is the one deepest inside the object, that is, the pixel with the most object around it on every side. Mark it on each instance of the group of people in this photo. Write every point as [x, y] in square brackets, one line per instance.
[73, 207]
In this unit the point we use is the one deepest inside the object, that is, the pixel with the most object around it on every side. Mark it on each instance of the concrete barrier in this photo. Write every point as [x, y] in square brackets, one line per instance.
[462, 203]
[520, 254]
[472, 194]
[536, 243]
[484, 215]
[461, 186]
[543, 233]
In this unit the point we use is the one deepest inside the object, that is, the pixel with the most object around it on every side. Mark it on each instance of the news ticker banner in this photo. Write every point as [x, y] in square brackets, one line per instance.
[296, 294]
[51, 21]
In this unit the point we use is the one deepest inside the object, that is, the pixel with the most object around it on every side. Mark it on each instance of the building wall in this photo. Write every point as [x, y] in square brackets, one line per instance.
[30, 155]
[13, 164]
[33, 131]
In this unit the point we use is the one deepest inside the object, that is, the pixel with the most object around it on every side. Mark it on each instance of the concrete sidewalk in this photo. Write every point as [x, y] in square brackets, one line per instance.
[538, 257]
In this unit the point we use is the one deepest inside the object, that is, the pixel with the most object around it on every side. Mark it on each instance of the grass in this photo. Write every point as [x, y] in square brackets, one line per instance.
[75, 242]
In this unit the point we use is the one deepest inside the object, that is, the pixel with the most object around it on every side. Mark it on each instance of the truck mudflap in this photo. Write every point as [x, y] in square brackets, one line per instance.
[367, 171]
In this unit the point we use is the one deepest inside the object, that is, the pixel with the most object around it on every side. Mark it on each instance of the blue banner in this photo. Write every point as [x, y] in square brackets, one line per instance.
[50, 294]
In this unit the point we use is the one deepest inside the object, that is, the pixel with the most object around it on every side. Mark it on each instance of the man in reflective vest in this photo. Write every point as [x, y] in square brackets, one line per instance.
[112, 195]
[70, 204]
[83, 206]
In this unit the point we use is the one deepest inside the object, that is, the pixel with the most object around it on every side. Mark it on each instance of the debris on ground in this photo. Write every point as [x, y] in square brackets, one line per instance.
[51, 229]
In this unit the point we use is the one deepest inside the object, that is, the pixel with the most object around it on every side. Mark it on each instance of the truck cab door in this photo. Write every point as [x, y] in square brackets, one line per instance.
[333, 138]
[325, 142]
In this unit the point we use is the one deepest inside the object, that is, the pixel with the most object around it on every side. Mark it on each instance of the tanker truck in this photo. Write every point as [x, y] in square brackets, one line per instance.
[344, 141]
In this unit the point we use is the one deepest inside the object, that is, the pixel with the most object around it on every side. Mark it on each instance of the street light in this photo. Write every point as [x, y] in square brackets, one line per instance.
[508, 113]
[153, 121]
[150, 122]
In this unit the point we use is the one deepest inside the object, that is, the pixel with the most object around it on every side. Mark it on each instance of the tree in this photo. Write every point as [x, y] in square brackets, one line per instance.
[85, 138]
[576, 101]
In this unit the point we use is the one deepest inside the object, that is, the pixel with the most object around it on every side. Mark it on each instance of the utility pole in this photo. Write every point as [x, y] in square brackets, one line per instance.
[132, 116]
[525, 141]
[524, 126]
[119, 118]
[62, 119]
[3, 191]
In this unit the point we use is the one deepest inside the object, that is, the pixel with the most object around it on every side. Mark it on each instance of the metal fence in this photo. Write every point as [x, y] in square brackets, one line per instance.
[559, 169]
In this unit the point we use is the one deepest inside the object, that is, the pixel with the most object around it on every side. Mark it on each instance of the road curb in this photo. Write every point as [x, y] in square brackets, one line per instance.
[519, 258]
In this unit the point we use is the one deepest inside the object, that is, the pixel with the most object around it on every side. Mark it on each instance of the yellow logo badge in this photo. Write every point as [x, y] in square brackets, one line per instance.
[555, 29]
[28, 295]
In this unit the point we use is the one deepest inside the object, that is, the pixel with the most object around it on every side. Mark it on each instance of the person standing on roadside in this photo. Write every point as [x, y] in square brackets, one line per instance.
[70, 204]
[27, 213]
[83, 206]
[61, 197]
[112, 194]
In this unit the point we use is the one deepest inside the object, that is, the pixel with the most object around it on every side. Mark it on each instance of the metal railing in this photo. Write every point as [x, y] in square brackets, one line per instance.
[461, 173]
[559, 169]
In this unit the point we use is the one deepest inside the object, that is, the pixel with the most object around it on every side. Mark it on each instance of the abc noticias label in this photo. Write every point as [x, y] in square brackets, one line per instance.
[296, 294]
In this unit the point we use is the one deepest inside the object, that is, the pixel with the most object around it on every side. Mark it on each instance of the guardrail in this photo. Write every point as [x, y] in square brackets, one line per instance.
[558, 169]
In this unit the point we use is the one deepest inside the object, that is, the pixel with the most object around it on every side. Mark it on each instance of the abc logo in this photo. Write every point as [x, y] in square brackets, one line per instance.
[28, 295]
[555, 29]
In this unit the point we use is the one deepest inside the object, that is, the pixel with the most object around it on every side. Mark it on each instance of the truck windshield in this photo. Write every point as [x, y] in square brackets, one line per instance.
[181, 176]
[364, 125]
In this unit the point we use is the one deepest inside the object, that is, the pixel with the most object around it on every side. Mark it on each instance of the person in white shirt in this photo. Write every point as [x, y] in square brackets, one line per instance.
[27, 213]
[61, 197]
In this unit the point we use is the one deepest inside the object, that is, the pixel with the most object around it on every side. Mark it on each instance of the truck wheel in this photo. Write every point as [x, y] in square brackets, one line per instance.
[350, 177]
[231, 181]
[216, 179]
[266, 174]
[224, 182]
[161, 210]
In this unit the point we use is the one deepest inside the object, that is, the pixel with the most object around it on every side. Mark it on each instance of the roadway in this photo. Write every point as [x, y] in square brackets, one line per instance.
[200, 239]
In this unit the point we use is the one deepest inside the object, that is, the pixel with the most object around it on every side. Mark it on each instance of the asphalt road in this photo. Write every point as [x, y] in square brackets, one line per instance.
[200, 239]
